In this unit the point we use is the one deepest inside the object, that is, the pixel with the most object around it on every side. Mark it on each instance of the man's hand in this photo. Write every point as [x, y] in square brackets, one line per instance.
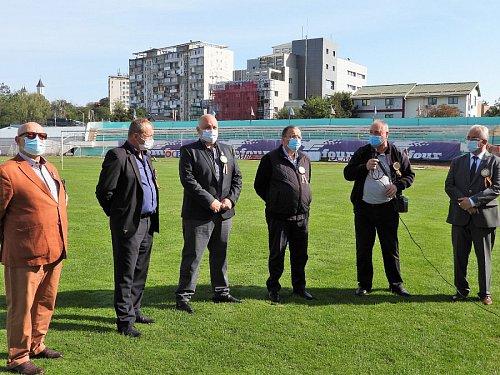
[473, 211]
[226, 204]
[390, 190]
[216, 206]
[372, 164]
[464, 203]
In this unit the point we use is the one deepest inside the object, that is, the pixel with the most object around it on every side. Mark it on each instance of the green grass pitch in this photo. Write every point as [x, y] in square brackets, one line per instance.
[336, 333]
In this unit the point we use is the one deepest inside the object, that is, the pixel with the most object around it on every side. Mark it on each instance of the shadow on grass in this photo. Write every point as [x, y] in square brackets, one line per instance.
[163, 297]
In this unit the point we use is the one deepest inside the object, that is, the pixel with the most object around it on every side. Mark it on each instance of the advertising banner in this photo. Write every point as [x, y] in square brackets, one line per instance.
[321, 150]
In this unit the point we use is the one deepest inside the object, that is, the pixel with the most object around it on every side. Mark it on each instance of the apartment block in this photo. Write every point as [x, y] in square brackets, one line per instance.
[118, 91]
[173, 82]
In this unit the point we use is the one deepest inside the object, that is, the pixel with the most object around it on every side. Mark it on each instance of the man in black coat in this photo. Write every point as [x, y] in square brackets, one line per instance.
[380, 173]
[128, 193]
[211, 179]
[282, 181]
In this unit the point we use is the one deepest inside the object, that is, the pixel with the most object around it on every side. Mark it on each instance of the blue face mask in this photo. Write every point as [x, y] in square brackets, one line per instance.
[35, 146]
[294, 144]
[472, 146]
[375, 140]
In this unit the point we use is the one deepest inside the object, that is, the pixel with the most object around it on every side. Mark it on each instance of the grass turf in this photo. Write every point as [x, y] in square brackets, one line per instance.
[336, 333]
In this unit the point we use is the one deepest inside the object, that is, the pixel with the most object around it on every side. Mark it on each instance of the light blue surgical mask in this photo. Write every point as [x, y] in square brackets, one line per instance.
[35, 146]
[472, 146]
[375, 140]
[294, 144]
[209, 135]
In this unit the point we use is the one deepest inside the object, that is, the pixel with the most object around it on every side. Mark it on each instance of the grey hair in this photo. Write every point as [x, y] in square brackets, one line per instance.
[485, 133]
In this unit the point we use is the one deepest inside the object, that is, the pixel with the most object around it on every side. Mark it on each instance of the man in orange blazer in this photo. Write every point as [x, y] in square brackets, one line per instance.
[33, 234]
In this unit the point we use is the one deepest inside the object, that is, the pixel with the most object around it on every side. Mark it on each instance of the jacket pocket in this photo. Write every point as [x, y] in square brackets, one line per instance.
[31, 242]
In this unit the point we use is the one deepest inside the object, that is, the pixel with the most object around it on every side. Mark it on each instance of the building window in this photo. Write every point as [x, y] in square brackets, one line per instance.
[289, 80]
[453, 100]
[365, 102]
[389, 102]
[432, 100]
[389, 115]
[332, 84]
[362, 76]
[333, 67]
[327, 51]
[350, 73]
[276, 93]
[326, 66]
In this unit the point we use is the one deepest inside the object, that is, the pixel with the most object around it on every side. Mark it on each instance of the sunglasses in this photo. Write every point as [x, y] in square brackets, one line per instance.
[32, 135]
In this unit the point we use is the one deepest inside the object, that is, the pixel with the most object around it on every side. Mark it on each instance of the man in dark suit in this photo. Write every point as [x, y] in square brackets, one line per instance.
[211, 179]
[128, 193]
[473, 184]
[380, 172]
[282, 181]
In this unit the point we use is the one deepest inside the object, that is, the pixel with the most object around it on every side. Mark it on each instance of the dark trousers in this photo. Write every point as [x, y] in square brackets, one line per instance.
[131, 261]
[383, 220]
[463, 237]
[281, 233]
[198, 235]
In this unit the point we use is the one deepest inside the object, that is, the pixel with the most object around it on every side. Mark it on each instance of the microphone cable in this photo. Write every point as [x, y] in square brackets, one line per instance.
[427, 259]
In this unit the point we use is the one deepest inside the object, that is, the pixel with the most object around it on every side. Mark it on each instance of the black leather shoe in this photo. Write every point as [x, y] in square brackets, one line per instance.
[130, 331]
[304, 294]
[28, 368]
[274, 297]
[226, 298]
[400, 291]
[184, 306]
[459, 297]
[47, 353]
[360, 292]
[144, 320]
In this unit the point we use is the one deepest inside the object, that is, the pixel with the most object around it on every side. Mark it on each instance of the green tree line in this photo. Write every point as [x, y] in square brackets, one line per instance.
[318, 107]
[20, 107]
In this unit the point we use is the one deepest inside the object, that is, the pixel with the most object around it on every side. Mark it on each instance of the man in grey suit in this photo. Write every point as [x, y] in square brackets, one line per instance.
[211, 179]
[473, 184]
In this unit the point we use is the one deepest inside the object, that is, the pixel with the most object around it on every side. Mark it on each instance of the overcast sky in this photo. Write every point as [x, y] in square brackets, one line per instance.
[73, 46]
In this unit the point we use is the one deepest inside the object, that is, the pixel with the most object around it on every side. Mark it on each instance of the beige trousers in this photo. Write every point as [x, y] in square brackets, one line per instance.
[31, 296]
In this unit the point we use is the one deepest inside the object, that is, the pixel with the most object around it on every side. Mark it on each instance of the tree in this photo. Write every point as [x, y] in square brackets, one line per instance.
[315, 107]
[120, 113]
[342, 104]
[494, 110]
[4, 89]
[284, 113]
[444, 110]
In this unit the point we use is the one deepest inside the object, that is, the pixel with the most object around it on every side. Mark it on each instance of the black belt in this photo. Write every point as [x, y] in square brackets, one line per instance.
[149, 214]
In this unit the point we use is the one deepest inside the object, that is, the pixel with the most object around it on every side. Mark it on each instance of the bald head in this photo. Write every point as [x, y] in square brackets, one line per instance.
[206, 121]
[30, 127]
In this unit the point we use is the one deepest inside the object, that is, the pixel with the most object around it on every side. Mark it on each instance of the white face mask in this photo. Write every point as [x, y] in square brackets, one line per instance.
[147, 145]
[209, 135]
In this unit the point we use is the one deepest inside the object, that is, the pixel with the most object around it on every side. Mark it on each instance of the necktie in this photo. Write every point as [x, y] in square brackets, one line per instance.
[473, 168]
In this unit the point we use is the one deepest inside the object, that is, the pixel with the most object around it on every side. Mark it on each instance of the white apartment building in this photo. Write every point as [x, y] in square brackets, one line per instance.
[173, 82]
[415, 100]
[118, 91]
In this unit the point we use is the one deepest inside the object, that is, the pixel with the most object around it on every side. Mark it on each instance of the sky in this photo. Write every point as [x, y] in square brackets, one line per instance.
[73, 46]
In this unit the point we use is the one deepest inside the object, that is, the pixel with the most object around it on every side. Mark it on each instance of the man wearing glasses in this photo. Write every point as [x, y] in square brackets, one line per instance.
[380, 172]
[33, 234]
[282, 181]
[128, 193]
[473, 184]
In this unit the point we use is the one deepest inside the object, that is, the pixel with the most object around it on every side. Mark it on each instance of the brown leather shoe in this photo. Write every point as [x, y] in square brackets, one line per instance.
[28, 368]
[47, 353]
[487, 300]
